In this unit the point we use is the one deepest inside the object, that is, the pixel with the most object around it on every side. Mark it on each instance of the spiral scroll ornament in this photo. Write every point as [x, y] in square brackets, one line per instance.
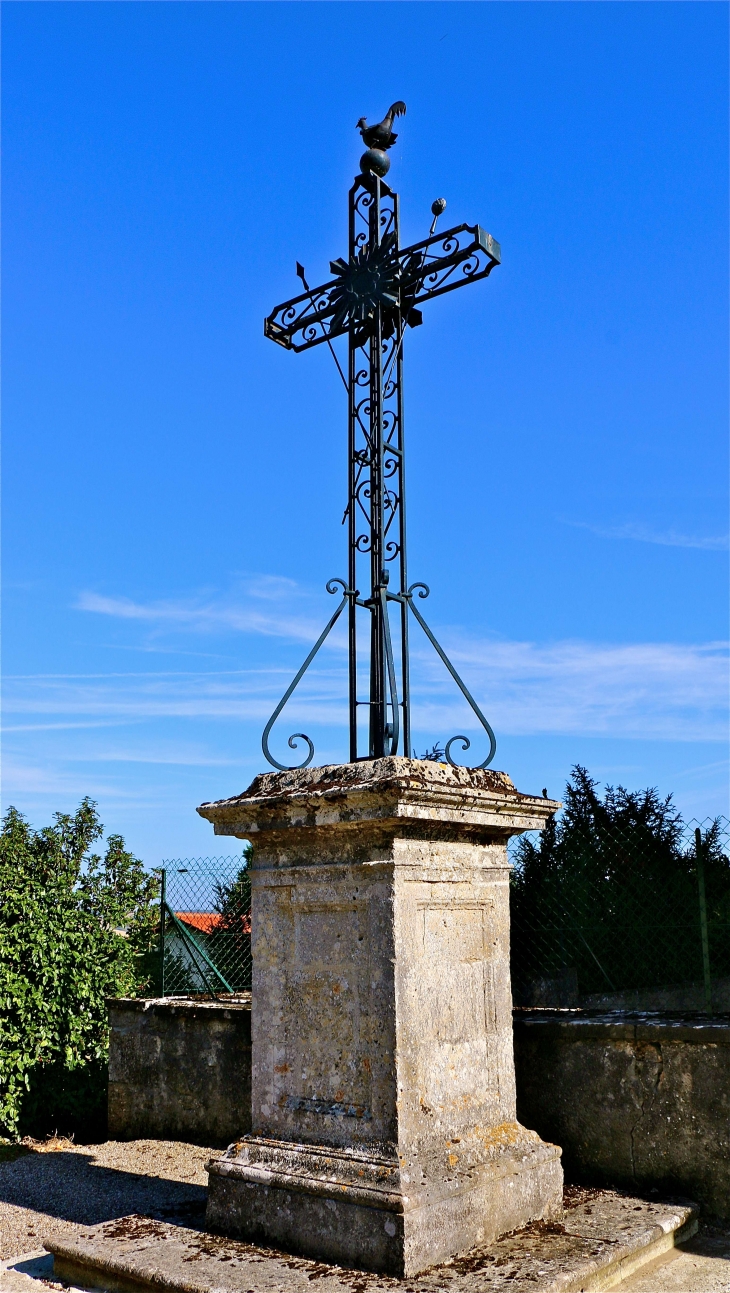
[332, 586]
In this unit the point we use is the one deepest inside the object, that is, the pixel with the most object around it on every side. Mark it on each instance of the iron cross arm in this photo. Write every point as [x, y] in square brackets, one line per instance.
[438, 264]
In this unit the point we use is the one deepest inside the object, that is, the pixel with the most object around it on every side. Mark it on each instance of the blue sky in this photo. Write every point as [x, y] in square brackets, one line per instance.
[174, 483]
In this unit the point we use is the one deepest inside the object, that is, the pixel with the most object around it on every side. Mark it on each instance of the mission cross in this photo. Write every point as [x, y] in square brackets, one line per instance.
[372, 298]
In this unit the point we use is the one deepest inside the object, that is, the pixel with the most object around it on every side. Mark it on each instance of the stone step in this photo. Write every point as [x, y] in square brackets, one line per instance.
[605, 1236]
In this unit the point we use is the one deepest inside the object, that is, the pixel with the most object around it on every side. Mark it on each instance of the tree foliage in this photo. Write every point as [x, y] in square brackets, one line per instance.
[233, 898]
[76, 927]
[609, 890]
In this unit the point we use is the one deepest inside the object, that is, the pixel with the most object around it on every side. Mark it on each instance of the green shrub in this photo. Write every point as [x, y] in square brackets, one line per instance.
[75, 928]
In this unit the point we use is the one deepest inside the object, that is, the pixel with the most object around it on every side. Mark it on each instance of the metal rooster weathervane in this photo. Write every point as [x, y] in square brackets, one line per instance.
[374, 295]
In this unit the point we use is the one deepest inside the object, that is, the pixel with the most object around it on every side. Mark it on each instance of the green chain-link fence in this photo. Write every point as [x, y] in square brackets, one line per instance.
[617, 905]
[622, 916]
[205, 927]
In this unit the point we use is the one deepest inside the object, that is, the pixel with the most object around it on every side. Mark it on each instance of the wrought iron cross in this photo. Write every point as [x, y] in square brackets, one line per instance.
[373, 296]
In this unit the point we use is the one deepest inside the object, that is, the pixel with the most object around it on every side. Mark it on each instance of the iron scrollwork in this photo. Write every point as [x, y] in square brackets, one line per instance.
[401, 281]
[424, 591]
[347, 593]
[375, 294]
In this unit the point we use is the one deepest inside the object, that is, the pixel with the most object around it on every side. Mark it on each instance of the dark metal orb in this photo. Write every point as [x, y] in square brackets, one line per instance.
[438, 207]
[375, 162]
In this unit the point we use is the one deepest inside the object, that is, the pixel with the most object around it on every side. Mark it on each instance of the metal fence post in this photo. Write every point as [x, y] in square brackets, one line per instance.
[703, 920]
[163, 905]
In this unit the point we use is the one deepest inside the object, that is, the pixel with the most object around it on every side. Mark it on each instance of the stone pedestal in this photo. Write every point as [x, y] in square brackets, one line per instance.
[383, 1132]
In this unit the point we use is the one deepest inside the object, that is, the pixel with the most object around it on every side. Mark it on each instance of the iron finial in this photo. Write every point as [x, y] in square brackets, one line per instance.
[381, 136]
[378, 139]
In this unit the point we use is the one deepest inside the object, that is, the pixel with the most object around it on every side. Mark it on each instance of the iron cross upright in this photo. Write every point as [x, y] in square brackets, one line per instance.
[373, 296]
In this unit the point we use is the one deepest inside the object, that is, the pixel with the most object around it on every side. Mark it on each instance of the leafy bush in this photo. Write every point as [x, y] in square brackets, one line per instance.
[75, 928]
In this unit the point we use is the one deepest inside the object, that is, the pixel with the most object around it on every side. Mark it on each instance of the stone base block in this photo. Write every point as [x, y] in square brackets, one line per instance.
[361, 1209]
[603, 1239]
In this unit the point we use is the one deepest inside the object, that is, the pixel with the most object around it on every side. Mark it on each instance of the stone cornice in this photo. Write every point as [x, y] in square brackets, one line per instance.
[389, 791]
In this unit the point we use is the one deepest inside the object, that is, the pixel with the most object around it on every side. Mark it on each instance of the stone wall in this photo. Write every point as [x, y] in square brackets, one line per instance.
[641, 1102]
[677, 999]
[179, 1070]
[638, 1102]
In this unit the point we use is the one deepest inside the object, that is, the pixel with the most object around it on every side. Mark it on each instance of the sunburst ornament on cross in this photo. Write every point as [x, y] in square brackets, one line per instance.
[374, 295]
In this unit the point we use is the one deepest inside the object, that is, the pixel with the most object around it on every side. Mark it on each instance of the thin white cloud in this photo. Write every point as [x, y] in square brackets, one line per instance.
[644, 534]
[657, 690]
[134, 697]
[23, 778]
[668, 690]
[69, 726]
[702, 770]
[140, 718]
[255, 608]
[672, 691]
[171, 754]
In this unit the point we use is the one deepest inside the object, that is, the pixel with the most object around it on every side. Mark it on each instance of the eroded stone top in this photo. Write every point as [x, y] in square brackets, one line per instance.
[375, 774]
[380, 789]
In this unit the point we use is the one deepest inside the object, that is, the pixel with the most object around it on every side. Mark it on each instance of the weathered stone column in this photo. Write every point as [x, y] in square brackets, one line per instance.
[384, 1132]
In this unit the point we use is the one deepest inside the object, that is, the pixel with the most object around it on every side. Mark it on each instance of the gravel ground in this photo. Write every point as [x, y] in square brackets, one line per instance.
[59, 1188]
[56, 1191]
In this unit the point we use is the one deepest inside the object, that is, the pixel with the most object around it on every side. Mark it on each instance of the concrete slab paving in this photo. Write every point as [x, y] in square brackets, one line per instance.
[700, 1266]
[22, 1274]
[604, 1238]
